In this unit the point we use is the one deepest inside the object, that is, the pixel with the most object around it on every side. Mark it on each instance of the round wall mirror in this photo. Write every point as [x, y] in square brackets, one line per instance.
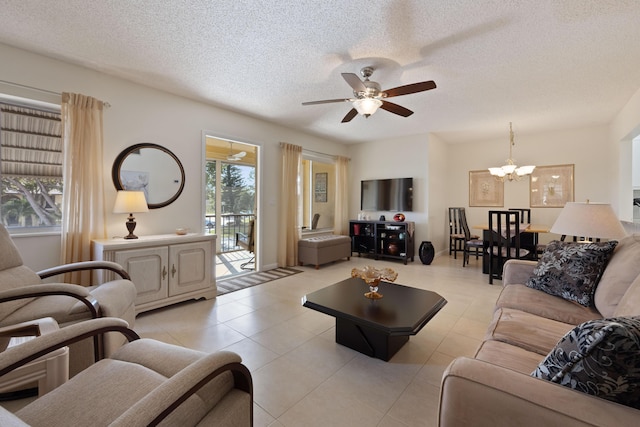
[150, 168]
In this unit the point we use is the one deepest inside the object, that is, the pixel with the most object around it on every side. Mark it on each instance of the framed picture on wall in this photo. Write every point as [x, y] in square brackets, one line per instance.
[485, 189]
[551, 186]
[320, 187]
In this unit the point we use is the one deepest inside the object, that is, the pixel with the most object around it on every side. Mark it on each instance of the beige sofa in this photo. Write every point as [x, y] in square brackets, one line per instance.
[495, 388]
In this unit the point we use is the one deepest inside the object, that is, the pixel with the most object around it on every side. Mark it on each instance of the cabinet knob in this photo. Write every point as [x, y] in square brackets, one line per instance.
[164, 272]
[173, 270]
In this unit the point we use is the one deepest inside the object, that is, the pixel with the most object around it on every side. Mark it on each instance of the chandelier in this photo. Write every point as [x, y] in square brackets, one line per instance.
[510, 170]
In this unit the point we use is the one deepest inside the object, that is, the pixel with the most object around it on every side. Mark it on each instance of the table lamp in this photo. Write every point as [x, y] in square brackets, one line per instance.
[130, 202]
[595, 220]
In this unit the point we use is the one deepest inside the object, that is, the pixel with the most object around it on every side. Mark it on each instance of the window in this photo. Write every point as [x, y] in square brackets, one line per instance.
[30, 167]
[318, 191]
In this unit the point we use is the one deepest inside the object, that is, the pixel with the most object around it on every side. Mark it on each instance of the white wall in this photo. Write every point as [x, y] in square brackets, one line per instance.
[438, 194]
[394, 158]
[141, 114]
[623, 129]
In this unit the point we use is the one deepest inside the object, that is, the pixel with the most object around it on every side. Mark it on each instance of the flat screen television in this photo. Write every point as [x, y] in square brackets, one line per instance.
[394, 194]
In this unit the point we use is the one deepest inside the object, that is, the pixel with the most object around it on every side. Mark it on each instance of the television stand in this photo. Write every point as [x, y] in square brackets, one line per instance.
[383, 239]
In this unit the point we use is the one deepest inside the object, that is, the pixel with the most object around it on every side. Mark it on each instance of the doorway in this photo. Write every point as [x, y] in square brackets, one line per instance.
[230, 200]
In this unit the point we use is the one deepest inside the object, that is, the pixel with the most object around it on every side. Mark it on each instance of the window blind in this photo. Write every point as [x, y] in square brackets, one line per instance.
[30, 142]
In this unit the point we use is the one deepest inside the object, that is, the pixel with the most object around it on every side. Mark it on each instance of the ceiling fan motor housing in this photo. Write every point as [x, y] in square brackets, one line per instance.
[373, 90]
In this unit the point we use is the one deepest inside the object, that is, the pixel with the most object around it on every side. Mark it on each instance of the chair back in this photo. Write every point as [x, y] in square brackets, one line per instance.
[13, 274]
[465, 225]
[9, 255]
[503, 240]
[455, 224]
[251, 235]
[525, 215]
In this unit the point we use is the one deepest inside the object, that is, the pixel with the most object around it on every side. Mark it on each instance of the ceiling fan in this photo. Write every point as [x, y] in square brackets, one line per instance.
[368, 96]
[237, 156]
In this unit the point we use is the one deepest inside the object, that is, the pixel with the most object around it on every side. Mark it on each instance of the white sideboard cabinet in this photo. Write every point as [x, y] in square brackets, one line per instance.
[165, 268]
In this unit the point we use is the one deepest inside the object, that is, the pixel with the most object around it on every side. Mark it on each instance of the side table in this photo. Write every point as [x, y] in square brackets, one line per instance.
[49, 371]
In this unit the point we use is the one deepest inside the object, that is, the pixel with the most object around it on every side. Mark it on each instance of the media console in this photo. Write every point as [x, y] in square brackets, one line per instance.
[383, 239]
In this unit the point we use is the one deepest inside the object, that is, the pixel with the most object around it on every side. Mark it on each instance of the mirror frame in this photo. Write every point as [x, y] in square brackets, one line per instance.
[117, 164]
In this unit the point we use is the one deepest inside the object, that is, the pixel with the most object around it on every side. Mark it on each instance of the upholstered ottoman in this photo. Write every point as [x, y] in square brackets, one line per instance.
[323, 249]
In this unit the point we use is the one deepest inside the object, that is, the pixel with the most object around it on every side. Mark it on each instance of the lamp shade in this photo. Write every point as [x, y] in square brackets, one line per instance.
[130, 202]
[596, 220]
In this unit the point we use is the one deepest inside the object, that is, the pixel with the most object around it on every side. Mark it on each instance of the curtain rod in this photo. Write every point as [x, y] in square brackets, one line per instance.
[50, 92]
[318, 152]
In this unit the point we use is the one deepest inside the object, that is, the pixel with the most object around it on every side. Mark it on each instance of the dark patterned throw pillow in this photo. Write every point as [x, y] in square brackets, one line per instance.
[599, 357]
[572, 270]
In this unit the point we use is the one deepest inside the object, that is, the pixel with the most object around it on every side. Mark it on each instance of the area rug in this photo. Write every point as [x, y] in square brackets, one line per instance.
[253, 279]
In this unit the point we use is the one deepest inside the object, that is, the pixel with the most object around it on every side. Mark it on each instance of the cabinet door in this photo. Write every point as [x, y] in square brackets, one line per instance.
[190, 267]
[148, 270]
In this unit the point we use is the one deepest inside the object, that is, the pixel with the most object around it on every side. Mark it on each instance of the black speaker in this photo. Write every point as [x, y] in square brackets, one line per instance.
[426, 252]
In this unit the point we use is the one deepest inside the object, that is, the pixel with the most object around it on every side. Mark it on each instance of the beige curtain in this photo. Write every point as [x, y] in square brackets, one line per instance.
[83, 196]
[289, 228]
[341, 215]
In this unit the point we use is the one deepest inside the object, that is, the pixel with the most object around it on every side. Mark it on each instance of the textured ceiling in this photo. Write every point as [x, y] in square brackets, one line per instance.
[543, 64]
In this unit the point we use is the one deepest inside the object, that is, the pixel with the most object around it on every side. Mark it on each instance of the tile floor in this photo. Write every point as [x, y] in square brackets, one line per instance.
[302, 377]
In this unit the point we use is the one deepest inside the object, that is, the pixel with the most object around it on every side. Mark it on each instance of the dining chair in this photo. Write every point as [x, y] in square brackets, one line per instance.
[525, 215]
[457, 218]
[471, 244]
[504, 241]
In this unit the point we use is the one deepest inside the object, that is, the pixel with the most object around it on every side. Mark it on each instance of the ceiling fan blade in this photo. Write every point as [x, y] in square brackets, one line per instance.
[350, 115]
[396, 109]
[355, 82]
[409, 89]
[241, 154]
[326, 101]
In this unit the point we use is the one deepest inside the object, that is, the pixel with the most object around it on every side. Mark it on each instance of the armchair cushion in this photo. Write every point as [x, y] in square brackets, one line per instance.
[571, 270]
[599, 357]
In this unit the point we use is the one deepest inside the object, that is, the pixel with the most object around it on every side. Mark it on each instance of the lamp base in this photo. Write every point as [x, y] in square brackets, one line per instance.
[131, 225]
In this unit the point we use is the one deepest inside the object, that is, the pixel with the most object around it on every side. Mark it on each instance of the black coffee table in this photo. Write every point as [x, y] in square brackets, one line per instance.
[377, 328]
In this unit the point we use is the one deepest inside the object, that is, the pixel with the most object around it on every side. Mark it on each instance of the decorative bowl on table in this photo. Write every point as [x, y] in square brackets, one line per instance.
[372, 277]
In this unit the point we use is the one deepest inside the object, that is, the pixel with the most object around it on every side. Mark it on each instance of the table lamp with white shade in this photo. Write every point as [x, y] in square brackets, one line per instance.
[595, 220]
[130, 202]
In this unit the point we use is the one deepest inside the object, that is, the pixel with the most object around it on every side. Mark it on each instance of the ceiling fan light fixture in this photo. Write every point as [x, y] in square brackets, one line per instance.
[367, 106]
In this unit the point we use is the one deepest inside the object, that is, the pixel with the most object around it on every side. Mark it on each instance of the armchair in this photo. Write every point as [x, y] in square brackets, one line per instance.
[24, 297]
[145, 382]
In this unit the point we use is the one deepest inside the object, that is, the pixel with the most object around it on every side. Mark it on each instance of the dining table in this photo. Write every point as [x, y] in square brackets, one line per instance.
[528, 240]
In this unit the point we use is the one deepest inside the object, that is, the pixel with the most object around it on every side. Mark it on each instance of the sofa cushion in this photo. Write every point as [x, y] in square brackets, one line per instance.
[542, 304]
[599, 357]
[630, 301]
[508, 356]
[528, 331]
[623, 268]
[572, 270]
